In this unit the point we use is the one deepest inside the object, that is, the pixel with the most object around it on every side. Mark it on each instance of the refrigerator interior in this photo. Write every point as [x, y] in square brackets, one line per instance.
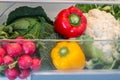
[52, 8]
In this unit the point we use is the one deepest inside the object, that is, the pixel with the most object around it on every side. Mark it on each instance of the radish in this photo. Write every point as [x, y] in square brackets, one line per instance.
[4, 45]
[24, 73]
[20, 39]
[14, 49]
[8, 60]
[29, 47]
[11, 74]
[25, 61]
[36, 64]
[1, 60]
[2, 52]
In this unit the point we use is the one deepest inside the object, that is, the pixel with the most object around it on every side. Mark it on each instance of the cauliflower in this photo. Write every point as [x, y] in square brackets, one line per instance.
[100, 49]
[102, 26]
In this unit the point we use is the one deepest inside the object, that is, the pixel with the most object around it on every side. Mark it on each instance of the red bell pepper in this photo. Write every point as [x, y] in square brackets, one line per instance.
[70, 22]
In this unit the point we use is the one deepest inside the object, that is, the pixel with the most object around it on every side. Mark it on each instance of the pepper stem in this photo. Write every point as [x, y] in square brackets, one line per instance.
[63, 51]
[74, 19]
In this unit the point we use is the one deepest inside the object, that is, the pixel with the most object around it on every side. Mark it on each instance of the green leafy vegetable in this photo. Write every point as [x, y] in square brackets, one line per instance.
[26, 11]
[86, 7]
[89, 49]
[31, 23]
[118, 45]
[113, 9]
[2, 68]
[45, 49]
[95, 56]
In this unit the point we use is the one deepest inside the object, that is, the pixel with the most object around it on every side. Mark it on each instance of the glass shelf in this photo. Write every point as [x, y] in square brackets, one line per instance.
[67, 1]
[77, 75]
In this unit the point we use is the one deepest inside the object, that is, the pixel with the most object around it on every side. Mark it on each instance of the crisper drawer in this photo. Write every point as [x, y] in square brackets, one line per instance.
[94, 54]
[78, 75]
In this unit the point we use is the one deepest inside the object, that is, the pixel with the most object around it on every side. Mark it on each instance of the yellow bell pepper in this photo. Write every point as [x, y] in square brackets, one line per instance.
[68, 55]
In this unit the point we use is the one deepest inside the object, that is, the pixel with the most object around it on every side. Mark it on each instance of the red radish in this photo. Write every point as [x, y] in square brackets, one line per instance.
[19, 39]
[25, 61]
[24, 73]
[4, 45]
[36, 64]
[1, 60]
[14, 49]
[11, 74]
[2, 52]
[8, 60]
[29, 47]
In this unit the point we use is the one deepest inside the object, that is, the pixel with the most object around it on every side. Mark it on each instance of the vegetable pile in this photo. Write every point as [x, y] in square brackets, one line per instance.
[19, 58]
[110, 8]
[31, 23]
[103, 24]
[23, 57]
[90, 34]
